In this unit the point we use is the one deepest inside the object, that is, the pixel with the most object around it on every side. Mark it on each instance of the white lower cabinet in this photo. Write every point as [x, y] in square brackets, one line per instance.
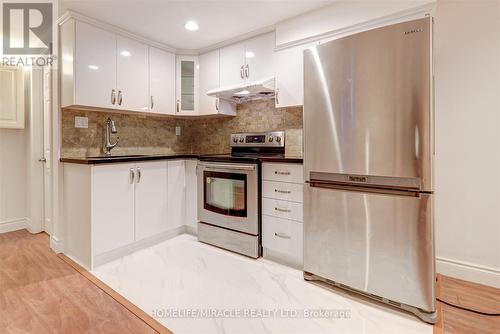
[282, 212]
[176, 194]
[283, 236]
[112, 207]
[151, 209]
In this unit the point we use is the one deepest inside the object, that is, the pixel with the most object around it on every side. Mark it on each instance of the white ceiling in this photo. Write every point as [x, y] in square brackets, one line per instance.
[163, 21]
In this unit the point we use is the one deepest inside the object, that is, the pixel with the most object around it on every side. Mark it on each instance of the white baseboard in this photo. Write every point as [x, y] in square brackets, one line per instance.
[134, 247]
[191, 230]
[469, 271]
[13, 225]
[56, 244]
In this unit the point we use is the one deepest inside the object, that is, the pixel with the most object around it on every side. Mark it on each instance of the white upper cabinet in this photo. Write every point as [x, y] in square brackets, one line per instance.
[259, 57]
[232, 64]
[11, 97]
[210, 79]
[161, 81]
[94, 58]
[290, 76]
[187, 85]
[132, 75]
[251, 60]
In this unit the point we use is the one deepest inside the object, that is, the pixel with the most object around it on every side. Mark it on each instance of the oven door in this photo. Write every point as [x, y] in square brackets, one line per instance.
[228, 196]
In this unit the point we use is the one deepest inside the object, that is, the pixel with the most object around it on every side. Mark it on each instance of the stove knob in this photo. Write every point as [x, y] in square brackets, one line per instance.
[235, 139]
[242, 139]
[270, 139]
[278, 139]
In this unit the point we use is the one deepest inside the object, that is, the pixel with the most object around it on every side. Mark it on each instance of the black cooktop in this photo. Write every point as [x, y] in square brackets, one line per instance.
[240, 157]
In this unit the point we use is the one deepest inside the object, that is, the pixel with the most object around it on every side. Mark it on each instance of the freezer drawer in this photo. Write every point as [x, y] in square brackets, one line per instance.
[377, 243]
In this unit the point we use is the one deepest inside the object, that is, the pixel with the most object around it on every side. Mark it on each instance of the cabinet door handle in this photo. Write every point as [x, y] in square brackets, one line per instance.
[277, 172]
[177, 108]
[242, 75]
[282, 191]
[282, 235]
[217, 104]
[139, 174]
[152, 102]
[247, 71]
[282, 210]
[120, 97]
[132, 175]
[113, 96]
[277, 96]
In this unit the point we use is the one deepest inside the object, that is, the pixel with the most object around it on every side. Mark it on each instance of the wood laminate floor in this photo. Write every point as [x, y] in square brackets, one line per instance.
[41, 293]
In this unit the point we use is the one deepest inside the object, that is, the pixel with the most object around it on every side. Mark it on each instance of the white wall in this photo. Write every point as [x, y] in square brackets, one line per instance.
[21, 175]
[467, 165]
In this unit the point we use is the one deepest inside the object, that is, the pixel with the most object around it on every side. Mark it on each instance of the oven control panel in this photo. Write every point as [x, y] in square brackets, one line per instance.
[258, 139]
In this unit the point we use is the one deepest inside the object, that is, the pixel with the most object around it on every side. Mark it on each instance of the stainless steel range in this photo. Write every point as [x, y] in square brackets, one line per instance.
[229, 192]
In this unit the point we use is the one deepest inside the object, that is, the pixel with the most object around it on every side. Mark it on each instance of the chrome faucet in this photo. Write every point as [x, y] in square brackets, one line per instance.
[110, 128]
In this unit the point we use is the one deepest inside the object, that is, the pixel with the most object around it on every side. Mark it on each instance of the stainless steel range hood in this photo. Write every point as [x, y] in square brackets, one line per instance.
[250, 91]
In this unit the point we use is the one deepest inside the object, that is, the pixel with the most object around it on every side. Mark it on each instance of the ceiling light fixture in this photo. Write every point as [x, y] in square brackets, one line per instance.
[125, 53]
[93, 67]
[191, 26]
[249, 54]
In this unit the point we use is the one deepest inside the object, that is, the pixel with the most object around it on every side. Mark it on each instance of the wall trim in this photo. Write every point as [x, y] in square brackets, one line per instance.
[468, 271]
[56, 244]
[397, 17]
[13, 225]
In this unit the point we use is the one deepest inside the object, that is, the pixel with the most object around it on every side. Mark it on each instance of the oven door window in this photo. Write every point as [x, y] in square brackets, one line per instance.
[225, 193]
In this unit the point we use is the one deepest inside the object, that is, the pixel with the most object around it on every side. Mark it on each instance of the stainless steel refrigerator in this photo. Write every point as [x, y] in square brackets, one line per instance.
[368, 152]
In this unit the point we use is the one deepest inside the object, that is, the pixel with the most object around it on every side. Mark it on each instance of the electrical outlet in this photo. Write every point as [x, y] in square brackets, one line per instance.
[81, 122]
[177, 130]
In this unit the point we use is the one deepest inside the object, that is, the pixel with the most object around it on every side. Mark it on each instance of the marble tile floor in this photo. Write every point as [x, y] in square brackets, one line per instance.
[192, 287]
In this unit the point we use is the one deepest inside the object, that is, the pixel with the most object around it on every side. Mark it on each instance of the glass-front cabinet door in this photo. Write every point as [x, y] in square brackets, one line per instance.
[225, 193]
[187, 85]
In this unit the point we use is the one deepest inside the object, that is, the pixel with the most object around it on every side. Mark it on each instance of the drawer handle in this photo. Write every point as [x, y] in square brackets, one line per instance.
[281, 235]
[282, 191]
[282, 210]
[277, 172]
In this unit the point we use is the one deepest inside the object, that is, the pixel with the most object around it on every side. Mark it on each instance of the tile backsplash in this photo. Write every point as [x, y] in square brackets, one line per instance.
[141, 134]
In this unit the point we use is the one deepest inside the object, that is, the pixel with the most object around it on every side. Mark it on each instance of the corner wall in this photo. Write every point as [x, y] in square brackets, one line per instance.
[467, 163]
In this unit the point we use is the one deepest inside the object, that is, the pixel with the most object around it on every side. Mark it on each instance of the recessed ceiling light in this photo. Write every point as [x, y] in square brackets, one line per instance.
[249, 54]
[93, 67]
[125, 53]
[191, 26]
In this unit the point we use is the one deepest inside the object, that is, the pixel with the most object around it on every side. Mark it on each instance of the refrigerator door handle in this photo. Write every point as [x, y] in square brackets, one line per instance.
[363, 189]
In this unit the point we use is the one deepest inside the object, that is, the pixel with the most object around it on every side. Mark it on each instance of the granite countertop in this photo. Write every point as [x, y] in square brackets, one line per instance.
[132, 158]
[126, 158]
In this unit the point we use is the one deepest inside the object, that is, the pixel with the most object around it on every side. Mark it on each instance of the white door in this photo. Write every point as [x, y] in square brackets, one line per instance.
[259, 57]
[176, 193]
[209, 79]
[232, 63]
[112, 207]
[132, 80]
[95, 66]
[150, 199]
[289, 76]
[187, 85]
[161, 81]
[47, 152]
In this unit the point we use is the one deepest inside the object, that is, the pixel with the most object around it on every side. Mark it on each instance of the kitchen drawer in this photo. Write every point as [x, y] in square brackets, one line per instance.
[283, 236]
[283, 172]
[282, 209]
[283, 191]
